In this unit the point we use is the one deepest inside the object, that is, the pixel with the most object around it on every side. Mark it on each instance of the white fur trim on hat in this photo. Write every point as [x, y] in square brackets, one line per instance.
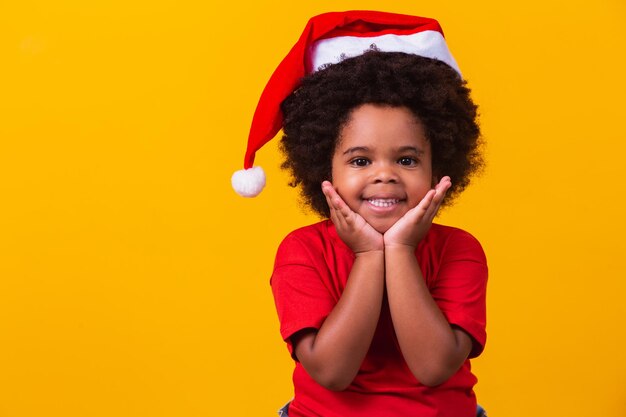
[429, 43]
[248, 182]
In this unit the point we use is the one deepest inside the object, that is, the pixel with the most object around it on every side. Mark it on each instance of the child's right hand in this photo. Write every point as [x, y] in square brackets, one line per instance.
[355, 232]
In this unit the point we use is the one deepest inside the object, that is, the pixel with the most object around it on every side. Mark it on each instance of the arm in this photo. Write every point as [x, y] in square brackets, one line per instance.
[433, 350]
[333, 354]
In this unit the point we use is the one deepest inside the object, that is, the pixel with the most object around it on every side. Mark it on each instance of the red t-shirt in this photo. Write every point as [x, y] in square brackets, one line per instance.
[310, 273]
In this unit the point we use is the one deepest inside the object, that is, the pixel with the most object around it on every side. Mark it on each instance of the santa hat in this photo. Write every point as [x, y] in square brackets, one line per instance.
[328, 39]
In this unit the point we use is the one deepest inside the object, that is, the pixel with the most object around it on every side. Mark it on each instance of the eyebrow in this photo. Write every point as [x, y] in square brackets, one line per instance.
[413, 149]
[357, 149]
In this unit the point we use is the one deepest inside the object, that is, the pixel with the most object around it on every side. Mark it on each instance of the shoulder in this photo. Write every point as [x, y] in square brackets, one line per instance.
[450, 233]
[453, 242]
[313, 231]
[303, 243]
[312, 234]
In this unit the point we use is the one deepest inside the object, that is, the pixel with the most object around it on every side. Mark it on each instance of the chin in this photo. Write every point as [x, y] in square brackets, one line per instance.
[382, 227]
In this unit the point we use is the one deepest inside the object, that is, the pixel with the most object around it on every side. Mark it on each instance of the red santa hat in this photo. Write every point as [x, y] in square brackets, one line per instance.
[328, 39]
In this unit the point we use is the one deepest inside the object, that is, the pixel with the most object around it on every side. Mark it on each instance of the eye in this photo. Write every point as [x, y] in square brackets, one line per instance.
[360, 162]
[407, 161]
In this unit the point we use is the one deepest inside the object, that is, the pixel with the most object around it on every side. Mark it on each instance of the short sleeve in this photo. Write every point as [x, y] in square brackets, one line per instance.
[460, 287]
[299, 285]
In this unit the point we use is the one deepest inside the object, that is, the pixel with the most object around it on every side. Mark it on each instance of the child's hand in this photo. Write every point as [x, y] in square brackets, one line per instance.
[413, 226]
[355, 232]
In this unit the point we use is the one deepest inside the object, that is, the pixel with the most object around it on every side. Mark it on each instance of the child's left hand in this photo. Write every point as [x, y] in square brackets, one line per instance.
[413, 226]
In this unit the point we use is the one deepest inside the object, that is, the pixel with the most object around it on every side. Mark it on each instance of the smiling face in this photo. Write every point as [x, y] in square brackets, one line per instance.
[381, 166]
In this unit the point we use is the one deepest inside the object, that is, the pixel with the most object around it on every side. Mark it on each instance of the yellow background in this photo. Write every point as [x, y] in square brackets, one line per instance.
[134, 282]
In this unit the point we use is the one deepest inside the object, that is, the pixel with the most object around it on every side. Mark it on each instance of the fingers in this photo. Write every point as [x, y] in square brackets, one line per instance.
[330, 193]
[332, 201]
[429, 205]
[440, 191]
[442, 187]
[434, 197]
[422, 208]
[332, 198]
[339, 210]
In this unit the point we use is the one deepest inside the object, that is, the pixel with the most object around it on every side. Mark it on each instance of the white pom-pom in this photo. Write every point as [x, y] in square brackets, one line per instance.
[248, 182]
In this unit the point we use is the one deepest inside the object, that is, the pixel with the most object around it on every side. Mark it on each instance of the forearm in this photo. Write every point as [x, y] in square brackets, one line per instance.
[335, 353]
[432, 349]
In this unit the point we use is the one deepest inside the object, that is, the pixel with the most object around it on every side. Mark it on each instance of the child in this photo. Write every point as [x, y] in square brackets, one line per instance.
[380, 308]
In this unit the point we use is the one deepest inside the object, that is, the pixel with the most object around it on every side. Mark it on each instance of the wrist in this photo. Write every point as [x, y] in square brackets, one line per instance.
[400, 248]
[370, 253]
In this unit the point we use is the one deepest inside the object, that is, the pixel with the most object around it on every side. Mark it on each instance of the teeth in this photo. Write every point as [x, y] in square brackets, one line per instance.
[383, 202]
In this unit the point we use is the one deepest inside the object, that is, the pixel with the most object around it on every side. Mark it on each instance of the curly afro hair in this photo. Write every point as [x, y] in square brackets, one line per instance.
[315, 113]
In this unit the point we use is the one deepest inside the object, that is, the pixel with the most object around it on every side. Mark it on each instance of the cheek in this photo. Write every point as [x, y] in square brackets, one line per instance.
[349, 187]
[351, 180]
[420, 186]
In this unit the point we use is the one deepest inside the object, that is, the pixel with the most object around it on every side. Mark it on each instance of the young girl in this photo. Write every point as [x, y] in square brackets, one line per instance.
[380, 308]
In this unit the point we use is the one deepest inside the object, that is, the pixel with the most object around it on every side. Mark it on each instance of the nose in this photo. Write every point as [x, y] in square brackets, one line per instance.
[385, 173]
